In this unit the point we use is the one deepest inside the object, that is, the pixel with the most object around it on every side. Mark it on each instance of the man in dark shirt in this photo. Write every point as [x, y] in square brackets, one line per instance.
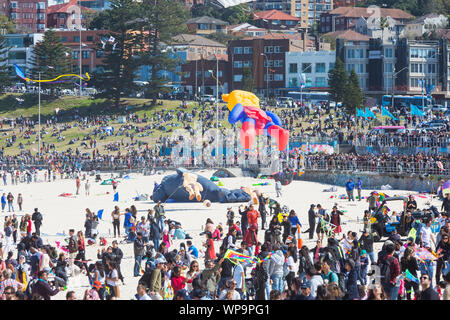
[446, 203]
[427, 292]
[42, 287]
[366, 243]
[305, 292]
[411, 204]
[312, 221]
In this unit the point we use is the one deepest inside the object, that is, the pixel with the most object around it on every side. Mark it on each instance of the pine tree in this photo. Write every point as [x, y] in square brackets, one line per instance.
[163, 19]
[247, 79]
[5, 76]
[337, 80]
[115, 77]
[51, 58]
[353, 95]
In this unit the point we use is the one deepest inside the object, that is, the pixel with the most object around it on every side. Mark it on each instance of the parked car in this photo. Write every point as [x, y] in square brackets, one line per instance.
[208, 98]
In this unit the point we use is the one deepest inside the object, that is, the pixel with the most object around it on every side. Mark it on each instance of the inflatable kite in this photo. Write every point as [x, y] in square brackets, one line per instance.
[244, 107]
[21, 74]
[186, 187]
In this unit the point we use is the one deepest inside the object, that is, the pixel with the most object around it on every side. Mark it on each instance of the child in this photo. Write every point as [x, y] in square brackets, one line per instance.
[166, 239]
[363, 258]
[217, 234]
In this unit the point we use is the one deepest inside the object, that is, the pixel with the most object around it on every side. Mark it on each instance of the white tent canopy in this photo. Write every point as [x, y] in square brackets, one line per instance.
[229, 3]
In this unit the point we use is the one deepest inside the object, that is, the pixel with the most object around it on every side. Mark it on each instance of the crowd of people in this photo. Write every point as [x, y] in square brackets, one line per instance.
[276, 264]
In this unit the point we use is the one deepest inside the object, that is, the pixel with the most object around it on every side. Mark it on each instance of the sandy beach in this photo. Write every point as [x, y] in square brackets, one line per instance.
[63, 213]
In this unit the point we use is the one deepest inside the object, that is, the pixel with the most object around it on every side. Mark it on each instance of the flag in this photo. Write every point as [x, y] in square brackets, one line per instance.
[370, 114]
[409, 276]
[416, 112]
[385, 112]
[100, 213]
[116, 197]
[359, 113]
[111, 39]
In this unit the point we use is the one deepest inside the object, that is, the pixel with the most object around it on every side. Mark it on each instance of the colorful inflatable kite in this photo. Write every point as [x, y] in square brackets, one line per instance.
[244, 107]
[21, 74]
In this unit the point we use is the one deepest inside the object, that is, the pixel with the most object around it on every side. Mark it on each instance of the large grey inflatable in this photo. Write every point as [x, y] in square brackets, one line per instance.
[171, 188]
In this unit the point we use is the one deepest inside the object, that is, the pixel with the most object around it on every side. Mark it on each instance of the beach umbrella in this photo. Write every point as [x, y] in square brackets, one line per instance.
[446, 188]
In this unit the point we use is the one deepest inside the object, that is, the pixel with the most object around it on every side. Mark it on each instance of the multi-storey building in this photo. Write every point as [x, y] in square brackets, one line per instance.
[199, 76]
[266, 56]
[316, 8]
[21, 47]
[28, 15]
[314, 65]
[275, 20]
[405, 67]
[296, 8]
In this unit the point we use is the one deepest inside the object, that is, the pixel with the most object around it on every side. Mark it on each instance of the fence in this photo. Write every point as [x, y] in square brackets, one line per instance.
[377, 166]
[409, 141]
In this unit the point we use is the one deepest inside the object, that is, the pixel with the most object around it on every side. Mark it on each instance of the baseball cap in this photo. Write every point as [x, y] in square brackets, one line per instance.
[160, 260]
[305, 284]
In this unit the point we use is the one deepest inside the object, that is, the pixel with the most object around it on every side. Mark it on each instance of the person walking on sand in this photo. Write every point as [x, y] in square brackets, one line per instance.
[278, 188]
[116, 220]
[359, 188]
[350, 186]
[87, 187]
[19, 201]
[3, 200]
[37, 218]
[78, 184]
[10, 199]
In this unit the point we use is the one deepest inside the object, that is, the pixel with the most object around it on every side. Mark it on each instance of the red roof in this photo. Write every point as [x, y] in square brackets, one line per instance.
[349, 35]
[274, 15]
[356, 12]
[64, 7]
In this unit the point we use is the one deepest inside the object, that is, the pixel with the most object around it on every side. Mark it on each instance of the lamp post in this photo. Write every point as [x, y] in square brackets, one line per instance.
[394, 74]
[267, 73]
[39, 117]
[217, 106]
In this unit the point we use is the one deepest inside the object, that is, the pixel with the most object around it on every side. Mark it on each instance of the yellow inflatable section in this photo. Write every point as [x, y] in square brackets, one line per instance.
[245, 98]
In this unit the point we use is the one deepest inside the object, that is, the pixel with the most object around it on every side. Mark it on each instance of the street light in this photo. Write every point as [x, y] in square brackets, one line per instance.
[217, 106]
[394, 74]
[267, 73]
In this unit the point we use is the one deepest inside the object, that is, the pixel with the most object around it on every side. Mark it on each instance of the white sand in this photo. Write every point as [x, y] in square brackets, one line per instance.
[60, 214]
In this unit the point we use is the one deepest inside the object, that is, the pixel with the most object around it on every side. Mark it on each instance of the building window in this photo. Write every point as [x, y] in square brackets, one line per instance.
[41, 16]
[292, 68]
[74, 54]
[76, 39]
[85, 54]
[237, 78]
[277, 49]
[99, 54]
[248, 64]
[431, 68]
[237, 50]
[41, 5]
[350, 53]
[270, 77]
[248, 50]
[414, 53]
[90, 38]
[388, 52]
[278, 77]
[278, 63]
[388, 67]
[320, 67]
[268, 49]
[187, 74]
[238, 64]
[208, 74]
[268, 63]
[306, 67]
[321, 82]
[63, 39]
[292, 82]
[14, 4]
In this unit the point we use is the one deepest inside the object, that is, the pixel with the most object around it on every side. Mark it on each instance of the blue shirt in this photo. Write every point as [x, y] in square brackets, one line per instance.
[3, 199]
[126, 222]
[193, 251]
[359, 184]
[294, 221]
[350, 185]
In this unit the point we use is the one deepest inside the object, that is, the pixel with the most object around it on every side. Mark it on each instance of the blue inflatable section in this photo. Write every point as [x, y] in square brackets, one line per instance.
[171, 187]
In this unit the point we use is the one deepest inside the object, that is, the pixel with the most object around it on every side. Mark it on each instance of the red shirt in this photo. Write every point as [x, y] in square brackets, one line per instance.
[29, 226]
[178, 284]
[252, 217]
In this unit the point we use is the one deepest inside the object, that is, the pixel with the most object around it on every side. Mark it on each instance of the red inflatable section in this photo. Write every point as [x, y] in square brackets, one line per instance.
[280, 135]
[248, 134]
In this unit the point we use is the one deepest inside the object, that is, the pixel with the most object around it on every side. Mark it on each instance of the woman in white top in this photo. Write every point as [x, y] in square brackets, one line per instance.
[193, 273]
[112, 280]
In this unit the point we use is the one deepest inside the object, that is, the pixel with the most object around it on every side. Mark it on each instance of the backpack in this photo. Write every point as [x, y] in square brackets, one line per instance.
[29, 289]
[341, 278]
[385, 270]
[8, 232]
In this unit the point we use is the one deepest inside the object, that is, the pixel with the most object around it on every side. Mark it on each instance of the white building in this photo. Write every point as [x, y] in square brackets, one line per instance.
[21, 48]
[315, 65]
[419, 26]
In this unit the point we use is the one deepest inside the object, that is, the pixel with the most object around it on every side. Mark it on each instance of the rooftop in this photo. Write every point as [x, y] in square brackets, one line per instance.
[66, 7]
[349, 35]
[195, 40]
[423, 18]
[356, 12]
[206, 19]
[274, 15]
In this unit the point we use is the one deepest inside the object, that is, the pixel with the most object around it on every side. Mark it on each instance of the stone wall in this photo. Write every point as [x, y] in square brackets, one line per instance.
[372, 180]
